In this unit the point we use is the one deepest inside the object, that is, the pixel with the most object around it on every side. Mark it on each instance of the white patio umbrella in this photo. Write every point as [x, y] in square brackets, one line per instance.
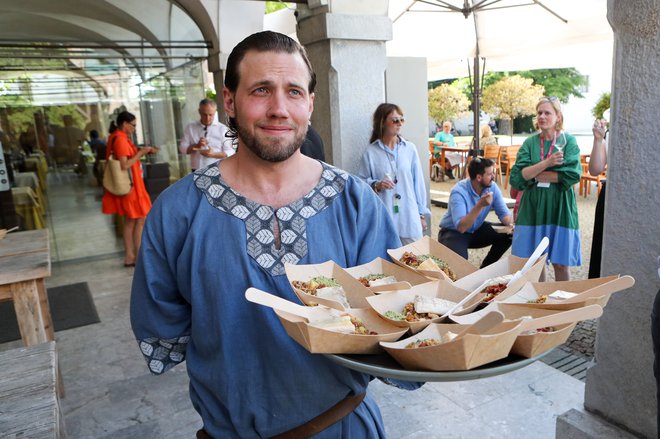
[507, 34]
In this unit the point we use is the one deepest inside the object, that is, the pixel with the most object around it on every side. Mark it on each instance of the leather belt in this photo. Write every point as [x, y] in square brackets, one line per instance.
[329, 417]
[314, 426]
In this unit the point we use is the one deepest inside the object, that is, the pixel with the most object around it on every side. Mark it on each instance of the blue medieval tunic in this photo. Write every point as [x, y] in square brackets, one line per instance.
[203, 246]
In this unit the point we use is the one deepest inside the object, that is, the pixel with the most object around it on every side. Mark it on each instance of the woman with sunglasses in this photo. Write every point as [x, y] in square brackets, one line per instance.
[390, 165]
[135, 205]
[547, 167]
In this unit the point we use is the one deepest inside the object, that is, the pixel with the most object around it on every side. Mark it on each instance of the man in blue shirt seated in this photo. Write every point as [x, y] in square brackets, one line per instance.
[464, 225]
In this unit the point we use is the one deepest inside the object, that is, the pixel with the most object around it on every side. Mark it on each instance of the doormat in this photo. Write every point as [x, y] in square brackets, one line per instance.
[71, 306]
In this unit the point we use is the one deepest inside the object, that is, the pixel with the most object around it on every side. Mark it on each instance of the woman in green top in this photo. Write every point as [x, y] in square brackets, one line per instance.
[547, 167]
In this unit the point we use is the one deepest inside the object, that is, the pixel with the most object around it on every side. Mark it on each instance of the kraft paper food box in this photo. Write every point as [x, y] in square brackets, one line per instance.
[405, 278]
[426, 246]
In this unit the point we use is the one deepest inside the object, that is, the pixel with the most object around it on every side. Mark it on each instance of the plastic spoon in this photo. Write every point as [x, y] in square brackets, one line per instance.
[482, 325]
[467, 298]
[618, 284]
[311, 313]
[532, 260]
[560, 318]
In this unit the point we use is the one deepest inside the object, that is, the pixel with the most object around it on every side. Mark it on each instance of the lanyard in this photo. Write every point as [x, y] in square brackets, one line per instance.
[552, 145]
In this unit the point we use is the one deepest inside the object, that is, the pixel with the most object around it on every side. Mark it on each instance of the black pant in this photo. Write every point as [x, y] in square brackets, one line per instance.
[597, 237]
[655, 335]
[482, 237]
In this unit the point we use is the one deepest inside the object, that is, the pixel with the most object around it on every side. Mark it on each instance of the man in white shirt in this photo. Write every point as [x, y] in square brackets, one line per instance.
[205, 139]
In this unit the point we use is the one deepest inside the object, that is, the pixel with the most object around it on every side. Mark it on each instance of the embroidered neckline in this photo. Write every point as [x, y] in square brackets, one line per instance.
[258, 218]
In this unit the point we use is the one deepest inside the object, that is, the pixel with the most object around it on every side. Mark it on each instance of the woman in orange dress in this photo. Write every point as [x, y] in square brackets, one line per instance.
[136, 204]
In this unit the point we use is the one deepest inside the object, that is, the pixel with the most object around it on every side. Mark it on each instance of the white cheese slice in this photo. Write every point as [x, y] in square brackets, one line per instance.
[433, 305]
[333, 293]
[337, 324]
[382, 281]
[562, 295]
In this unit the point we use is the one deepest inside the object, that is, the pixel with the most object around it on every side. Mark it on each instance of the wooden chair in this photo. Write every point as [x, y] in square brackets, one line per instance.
[493, 152]
[431, 158]
[586, 179]
[511, 153]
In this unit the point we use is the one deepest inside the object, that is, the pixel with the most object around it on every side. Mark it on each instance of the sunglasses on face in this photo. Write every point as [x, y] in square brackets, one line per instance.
[398, 119]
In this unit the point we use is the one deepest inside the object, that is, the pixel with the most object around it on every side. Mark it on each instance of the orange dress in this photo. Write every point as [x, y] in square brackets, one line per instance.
[136, 204]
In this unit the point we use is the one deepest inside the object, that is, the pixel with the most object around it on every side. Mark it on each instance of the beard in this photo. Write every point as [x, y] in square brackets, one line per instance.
[274, 151]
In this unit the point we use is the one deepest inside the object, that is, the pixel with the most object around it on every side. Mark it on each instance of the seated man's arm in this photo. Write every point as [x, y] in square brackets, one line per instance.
[471, 216]
[500, 207]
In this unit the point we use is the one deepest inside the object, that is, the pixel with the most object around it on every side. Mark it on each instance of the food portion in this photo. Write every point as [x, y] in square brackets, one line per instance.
[376, 280]
[427, 262]
[426, 342]
[494, 287]
[536, 331]
[346, 324]
[323, 287]
[421, 309]
[541, 299]
[557, 296]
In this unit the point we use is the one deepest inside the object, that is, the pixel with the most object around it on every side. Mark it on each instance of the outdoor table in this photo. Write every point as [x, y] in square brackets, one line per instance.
[37, 163]
[28, 207]
[31, 180]
[461, 149]
[24, 264]
[29, 404]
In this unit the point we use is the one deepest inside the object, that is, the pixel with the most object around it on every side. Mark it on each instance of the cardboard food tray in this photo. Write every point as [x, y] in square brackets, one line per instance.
[533, 290]
[381, 266]
[395, 301]
[505, 266]
[531, 345]
[465, 353]
[356, 293]
[323, 341]
[426, 245]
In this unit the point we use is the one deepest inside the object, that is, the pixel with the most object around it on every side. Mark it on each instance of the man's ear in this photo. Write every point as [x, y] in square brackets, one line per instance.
[228, 102]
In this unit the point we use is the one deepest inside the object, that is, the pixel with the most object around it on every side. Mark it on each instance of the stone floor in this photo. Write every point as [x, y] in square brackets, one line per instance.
[111, 395]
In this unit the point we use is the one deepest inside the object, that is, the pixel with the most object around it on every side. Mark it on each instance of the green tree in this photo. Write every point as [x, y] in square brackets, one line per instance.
[511, 97]
[562, 83]
[602, 105]
[275, 6]
[446, 102]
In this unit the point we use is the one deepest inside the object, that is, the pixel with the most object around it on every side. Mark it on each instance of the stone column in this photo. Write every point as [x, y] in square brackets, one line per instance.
[620, 388]
[347, 49]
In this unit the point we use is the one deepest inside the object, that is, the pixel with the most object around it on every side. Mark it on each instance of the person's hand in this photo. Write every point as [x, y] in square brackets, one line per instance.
[485, 200]
[422, 218]
[206, 152]
[556, 158]
[599, 129]
[386, 184]
[203, 143]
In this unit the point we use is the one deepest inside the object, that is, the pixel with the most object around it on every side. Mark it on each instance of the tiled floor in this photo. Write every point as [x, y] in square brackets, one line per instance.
[111, 395]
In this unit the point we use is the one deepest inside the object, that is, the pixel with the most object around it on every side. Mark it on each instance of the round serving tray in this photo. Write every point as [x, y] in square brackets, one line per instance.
[384, 366]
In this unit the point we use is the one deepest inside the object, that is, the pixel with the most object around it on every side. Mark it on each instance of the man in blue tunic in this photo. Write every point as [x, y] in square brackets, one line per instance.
[232, 225]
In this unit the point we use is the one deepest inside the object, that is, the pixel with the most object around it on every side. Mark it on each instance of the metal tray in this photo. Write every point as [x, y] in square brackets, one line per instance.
[384, 366]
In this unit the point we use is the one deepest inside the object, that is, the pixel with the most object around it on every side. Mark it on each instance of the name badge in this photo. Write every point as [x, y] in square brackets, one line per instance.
[543, 184]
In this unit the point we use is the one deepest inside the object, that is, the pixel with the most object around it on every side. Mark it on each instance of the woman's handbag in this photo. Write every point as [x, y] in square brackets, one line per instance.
[115, 180]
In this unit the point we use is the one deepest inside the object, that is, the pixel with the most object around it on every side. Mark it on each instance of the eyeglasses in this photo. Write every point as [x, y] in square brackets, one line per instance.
[549, 98]
[398, 119]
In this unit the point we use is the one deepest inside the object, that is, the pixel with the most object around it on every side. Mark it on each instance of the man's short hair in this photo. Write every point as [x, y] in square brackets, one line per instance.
[478, 166]
[207, 101]
[266, 41]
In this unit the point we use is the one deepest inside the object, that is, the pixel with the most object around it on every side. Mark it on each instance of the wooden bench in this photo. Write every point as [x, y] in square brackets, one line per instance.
[29, 402]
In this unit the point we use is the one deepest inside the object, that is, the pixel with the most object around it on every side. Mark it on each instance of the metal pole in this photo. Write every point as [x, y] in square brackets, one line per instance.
[476, 105]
